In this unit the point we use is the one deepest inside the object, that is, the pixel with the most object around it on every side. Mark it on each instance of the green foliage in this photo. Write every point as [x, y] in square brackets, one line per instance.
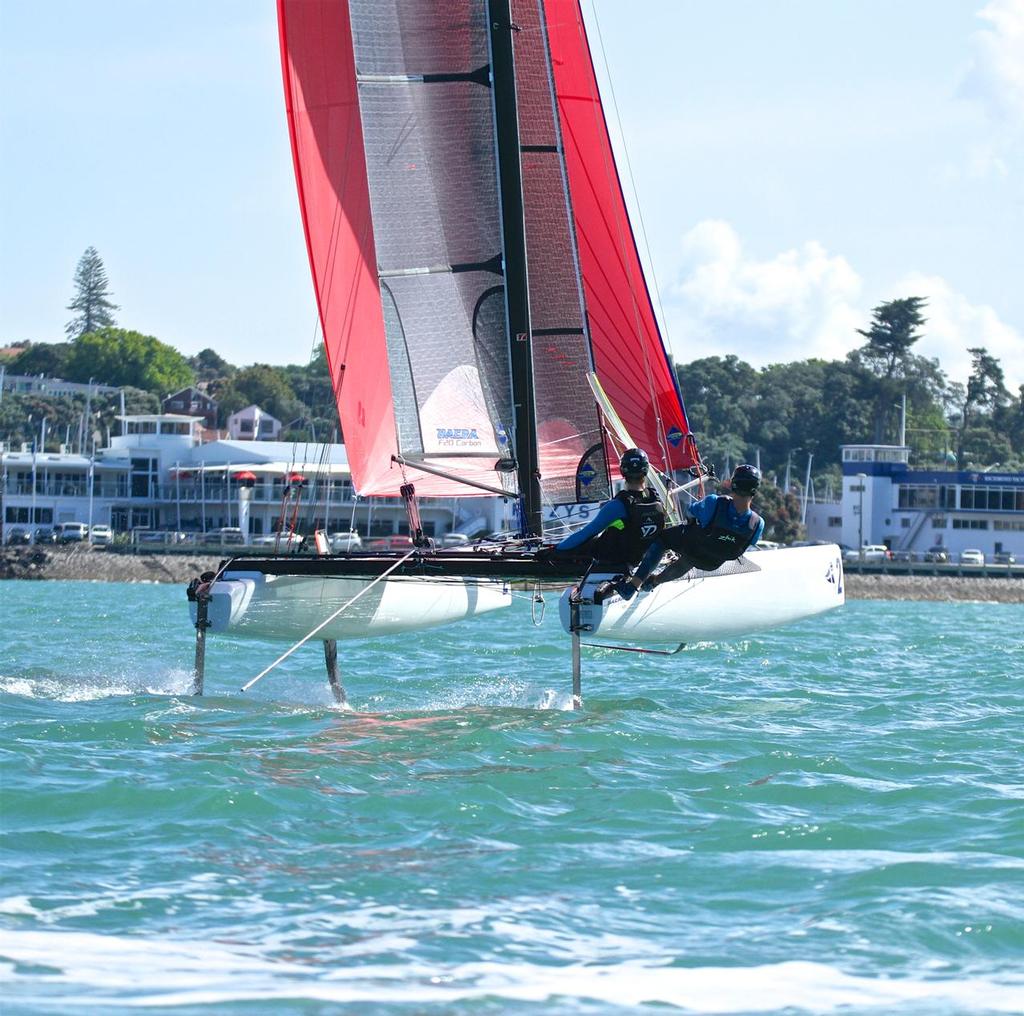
[115, 356]
[210, 366]
[261, 385]
[49, 358]
[91, 302]
[811, 407]
[895, 327]
[985, 390]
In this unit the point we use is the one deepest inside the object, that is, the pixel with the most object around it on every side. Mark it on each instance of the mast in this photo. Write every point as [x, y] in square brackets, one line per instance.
[514, 237]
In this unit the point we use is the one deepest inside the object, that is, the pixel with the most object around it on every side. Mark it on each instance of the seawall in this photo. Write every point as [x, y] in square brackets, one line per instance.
[99, 564]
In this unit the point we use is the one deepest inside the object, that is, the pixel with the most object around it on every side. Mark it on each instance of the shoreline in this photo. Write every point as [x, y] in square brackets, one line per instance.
[97, 565]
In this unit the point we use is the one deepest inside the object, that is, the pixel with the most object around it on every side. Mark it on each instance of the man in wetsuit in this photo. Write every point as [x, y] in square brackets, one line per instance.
[718, 528]
[626, 525]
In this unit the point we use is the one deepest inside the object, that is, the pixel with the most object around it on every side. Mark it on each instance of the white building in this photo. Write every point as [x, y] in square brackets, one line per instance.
[159, 475]
[252, 424]
[884, 501]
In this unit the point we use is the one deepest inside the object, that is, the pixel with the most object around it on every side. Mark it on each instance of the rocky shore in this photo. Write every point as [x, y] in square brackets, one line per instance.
[99, 564]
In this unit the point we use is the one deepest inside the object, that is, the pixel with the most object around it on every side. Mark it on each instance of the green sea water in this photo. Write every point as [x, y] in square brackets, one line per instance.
[828, 818]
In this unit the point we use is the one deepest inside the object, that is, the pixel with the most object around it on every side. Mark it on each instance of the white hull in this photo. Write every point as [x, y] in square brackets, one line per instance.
[288, 606]
[765, 589]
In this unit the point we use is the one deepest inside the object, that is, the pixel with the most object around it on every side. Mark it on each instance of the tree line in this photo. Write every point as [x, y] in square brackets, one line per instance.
[779, 414]
[785, 412]
[97, 350]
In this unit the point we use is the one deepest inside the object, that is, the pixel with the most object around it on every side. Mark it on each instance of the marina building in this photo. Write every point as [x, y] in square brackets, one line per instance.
[159, 476]
[884, 501]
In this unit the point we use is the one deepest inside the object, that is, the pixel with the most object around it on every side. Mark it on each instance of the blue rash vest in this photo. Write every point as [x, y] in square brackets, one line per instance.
[704, 512]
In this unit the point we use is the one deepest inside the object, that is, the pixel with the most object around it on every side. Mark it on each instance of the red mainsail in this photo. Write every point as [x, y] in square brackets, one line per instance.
[629, 355]
[331, 151]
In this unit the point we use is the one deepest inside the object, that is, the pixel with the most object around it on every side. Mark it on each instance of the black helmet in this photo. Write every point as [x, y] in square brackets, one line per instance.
[745, 479]
[634, 464]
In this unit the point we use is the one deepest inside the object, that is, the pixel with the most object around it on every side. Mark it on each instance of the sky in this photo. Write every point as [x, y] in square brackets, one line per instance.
[793, 165]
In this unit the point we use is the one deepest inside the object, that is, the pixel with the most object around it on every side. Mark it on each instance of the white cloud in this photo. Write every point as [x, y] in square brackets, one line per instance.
[806, 302]
[799, 303]
[955, 324]
[996, 75]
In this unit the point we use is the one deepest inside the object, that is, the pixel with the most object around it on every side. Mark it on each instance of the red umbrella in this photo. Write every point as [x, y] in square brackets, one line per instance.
[245, 476]
[296, 479]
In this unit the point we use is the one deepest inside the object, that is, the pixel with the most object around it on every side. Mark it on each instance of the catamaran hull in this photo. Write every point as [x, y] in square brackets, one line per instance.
[765, 589]
[267, 606]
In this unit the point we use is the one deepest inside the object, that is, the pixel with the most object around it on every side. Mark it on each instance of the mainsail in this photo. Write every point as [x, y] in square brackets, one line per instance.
[470, 249]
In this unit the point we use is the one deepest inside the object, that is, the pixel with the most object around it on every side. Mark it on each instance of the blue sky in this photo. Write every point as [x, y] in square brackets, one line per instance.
[795, 164]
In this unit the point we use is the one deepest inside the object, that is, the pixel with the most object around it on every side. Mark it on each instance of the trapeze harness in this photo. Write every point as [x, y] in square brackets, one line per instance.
[710, 546]
[625, 540]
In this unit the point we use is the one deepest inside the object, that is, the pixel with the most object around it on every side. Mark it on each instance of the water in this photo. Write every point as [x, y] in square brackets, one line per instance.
[829, 818]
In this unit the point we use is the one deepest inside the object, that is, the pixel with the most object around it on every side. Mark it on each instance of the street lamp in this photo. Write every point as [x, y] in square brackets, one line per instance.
[860, 513]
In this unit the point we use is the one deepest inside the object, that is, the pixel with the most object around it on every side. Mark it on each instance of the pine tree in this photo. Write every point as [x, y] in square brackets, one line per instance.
[91, 302]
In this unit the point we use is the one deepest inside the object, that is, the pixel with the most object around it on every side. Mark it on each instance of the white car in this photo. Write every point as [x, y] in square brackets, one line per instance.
[345, 542]
[101, 535]
[869, 552]
[972, 556]
[71, 532]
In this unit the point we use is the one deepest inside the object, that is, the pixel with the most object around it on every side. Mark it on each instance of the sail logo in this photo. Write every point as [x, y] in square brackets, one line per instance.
[587, 474]
[458, 437]
[675, 435]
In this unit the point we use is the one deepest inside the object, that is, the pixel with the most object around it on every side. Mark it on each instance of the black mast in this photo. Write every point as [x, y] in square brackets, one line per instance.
[516, 286]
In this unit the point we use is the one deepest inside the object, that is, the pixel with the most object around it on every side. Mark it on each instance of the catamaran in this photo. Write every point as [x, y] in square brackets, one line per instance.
[487, 324]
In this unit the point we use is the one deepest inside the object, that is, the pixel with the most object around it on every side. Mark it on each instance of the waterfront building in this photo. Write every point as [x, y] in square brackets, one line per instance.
[192, 402]
[253, 424]
[159, 476]
[885, 501]
[38, 384]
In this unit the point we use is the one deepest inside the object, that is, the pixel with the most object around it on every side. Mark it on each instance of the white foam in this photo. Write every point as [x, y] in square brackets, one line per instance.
[78, 689]
[109, 970]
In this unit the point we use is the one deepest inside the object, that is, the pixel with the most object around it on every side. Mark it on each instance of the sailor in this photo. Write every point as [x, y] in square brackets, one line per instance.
[626, 525]
[718, 528]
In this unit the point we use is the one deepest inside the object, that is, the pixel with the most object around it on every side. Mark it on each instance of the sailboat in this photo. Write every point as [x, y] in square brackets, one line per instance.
[487, 324]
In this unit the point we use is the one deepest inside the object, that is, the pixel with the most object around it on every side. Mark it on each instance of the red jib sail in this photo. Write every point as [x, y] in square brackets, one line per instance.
[629, 355]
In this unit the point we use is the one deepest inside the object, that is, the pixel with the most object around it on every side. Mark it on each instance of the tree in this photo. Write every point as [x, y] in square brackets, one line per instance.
[90, 303]
[210, 366]
[263, 386]
[115, 356]
[49, 358]
[986, 390]
[895, 327]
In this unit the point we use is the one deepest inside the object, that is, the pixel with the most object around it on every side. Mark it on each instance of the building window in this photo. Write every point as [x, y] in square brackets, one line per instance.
[905, 523]
[835, 521]
[970, 523]
[1006, 526]
[938, 522]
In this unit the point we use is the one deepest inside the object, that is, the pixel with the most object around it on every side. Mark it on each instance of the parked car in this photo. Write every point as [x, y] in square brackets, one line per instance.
[283, 542]
[454, 540]
[71, 532]
[16, 537]
[937, 555]
[391, 543]
[345, 542]
[44, 534]
[1004, 557]
[972, 556]
[869, 552]
[101, 535]
[904, 555]
[229, 534]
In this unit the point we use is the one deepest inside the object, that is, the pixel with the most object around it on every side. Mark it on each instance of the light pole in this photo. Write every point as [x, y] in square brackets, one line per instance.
[860, 513]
